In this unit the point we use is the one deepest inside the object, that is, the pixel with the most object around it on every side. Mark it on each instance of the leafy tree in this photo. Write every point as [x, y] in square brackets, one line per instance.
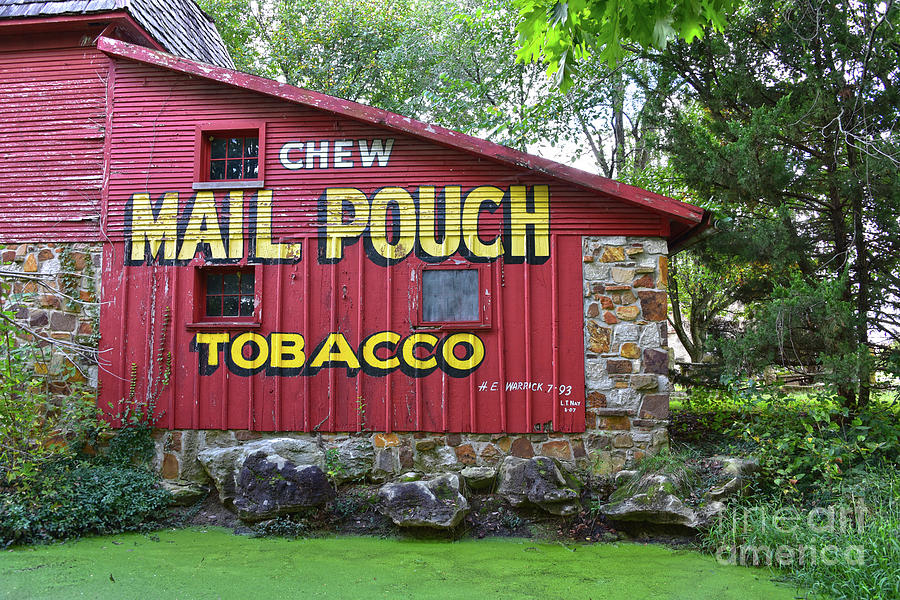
[443, 61]
[786, 119]
[564, 34]
[384, 54]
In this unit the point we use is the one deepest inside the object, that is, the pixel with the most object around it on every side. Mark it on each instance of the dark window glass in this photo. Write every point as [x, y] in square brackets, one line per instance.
[247, 284]
[229, 306]
[232, 285]
[217, 147]
[246, 306]
[217, 170]
[233, 157]
[214, 306]
[235, 147]
[230, 294]
[214, 283]
[450, 295]
[251, 169]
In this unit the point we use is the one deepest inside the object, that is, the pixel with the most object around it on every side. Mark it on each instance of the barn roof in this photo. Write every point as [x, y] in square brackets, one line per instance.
[685, 220]
[180, 26]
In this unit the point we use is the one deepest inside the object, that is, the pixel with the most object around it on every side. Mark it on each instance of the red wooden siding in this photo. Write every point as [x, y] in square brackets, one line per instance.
[52, 123]
[535, 337]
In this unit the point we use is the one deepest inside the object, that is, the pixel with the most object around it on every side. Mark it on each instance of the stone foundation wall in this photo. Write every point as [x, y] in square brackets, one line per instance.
[380, 456]
[54, 294]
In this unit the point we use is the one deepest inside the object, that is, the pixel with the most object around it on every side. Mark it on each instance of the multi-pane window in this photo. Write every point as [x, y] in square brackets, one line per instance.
[230, 294]
[233, 157]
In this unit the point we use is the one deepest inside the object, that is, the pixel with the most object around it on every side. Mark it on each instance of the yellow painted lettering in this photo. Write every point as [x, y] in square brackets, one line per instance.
[368, 350]
[264, 247]
[287, 350]
[450, 358]
[408, 350]
[471, 211]
[378, 227]
[520, 218]
[335, 349]
[337, 228]
[237, 351]
[202, 228]
[214, 341]
[154, 231]
[235, 224]
[428, 221]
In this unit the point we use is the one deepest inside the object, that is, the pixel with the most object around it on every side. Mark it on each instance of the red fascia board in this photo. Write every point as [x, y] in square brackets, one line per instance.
[116, 18]
[673, 209]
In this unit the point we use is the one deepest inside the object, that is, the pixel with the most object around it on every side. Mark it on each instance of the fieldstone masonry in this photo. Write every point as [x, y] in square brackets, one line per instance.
[626, 359]
[54, 295]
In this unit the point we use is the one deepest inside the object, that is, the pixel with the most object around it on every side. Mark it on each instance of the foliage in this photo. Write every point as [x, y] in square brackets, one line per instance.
[807, 447]
[289, 526]
[54, 484]
[334, 466]
[384, 54]
[447, 62]
[784, 121]
[36, 427]
[71, 498]
[849, 548]
[564, 34]
[805, 455]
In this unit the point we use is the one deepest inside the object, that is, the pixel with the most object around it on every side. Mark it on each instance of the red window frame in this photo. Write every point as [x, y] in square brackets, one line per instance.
[485, 279]
[234, 128]
[203, 321]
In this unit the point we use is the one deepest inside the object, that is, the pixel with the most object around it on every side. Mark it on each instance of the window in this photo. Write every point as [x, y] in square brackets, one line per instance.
[230, 293]
[233, 157]
[230, 155]
[454, 296]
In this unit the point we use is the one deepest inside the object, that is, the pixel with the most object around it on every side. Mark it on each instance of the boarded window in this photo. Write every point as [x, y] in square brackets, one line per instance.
[450, 295]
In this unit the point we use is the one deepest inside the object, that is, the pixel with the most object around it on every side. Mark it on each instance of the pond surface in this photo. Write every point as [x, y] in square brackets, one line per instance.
[214, 563]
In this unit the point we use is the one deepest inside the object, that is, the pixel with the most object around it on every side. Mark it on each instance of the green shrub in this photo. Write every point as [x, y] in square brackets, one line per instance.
[806, 455]
[807, 445]
[49, 487]
[74, 498]
[847, 549]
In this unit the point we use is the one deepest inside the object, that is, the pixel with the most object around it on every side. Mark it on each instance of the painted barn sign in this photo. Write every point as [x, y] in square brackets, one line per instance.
[278, 260]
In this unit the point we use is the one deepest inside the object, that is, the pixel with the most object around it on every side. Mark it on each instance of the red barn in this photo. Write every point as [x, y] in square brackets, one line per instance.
[270, 259]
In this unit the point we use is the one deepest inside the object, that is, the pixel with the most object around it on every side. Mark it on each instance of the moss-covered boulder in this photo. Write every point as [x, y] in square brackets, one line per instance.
[538, 481]
[436, 503]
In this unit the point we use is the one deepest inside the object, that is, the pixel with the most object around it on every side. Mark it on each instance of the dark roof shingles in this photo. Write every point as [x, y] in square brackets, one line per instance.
[178, 25]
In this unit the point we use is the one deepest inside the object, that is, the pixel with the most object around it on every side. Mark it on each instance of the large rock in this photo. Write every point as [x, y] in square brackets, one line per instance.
[223, 464]
[356, 456]
[434, 503]
[654, 499]
[441, 458]
[184, 493]
[269, 485]
[479, 478]
[537, 481]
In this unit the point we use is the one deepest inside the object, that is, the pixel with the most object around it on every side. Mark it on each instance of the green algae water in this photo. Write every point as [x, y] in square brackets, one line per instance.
[214, 563]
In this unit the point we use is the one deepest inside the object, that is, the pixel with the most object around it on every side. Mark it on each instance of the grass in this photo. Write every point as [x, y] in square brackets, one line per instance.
[213, 563]
[847, 550]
